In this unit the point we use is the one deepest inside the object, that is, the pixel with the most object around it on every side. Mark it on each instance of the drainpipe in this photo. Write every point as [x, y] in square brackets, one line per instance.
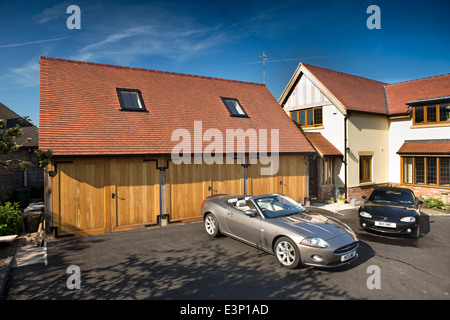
[345, 154]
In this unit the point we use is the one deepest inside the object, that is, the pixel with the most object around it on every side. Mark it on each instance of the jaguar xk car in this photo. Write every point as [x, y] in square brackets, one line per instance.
[282, 227]
[391, 210]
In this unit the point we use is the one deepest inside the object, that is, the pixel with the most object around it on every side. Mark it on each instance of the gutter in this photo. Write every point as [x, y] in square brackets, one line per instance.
[345, 153]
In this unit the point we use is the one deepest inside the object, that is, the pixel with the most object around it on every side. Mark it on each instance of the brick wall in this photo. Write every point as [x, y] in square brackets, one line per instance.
[427, 192]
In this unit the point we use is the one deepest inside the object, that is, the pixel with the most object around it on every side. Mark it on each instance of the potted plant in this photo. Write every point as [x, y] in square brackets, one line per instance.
[341, 199]
[329, 199]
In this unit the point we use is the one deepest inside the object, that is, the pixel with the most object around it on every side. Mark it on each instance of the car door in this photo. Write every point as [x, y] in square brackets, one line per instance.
[242, 226]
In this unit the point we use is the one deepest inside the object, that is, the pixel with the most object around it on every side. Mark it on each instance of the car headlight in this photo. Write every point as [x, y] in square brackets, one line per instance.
[314, 242]
[365, 214]
[408, 219]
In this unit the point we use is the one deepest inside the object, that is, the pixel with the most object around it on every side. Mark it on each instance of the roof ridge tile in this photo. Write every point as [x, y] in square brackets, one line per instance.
[148, 70]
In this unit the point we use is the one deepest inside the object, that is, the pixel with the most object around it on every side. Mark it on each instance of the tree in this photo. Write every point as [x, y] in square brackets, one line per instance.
[8, 145]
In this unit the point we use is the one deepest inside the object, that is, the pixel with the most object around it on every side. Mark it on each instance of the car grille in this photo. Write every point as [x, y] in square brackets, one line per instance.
[346, 248]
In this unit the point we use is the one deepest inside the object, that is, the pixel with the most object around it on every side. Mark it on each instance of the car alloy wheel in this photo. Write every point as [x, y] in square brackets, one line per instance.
[211, 225]
[287, 253]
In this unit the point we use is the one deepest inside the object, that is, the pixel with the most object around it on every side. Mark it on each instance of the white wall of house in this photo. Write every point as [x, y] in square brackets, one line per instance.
[401, 129]
[306, 95]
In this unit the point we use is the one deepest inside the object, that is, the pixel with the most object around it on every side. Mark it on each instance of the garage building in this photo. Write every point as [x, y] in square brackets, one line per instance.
[114, 131]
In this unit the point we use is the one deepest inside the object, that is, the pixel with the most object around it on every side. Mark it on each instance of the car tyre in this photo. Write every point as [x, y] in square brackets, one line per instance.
[211, 225]
[287, 253]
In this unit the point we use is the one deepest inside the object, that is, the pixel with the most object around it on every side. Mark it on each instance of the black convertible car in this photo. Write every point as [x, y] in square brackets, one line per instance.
[391, 210]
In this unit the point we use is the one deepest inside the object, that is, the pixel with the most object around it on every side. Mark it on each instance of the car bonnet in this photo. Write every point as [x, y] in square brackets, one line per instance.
[312, 224]
[385, 210]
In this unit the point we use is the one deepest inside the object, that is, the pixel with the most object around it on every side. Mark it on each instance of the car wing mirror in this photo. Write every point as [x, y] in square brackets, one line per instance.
[250, 213]
[420, 202]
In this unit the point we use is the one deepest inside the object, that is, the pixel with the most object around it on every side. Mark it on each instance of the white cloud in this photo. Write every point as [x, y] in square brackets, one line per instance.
[50, 14]
[26, 75]
[150, 30]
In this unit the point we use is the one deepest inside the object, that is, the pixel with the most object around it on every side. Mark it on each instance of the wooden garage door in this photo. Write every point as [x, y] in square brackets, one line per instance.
[289, 180]
[135, 193]
[81, 197]
[189, 184]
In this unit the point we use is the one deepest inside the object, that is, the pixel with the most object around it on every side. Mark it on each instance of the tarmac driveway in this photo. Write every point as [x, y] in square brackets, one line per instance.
[182, 262]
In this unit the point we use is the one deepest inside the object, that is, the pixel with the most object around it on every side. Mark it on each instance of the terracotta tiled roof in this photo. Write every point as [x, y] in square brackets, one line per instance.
[398, 94]
[366, 95]
[80, 113]
[322, 145]
[354, 92]
[425, 147]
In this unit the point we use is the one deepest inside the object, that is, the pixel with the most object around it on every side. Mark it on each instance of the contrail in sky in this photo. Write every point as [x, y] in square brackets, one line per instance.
[31, 42]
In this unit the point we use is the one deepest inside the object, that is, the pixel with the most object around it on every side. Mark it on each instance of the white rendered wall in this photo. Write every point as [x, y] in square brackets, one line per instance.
[399, 131]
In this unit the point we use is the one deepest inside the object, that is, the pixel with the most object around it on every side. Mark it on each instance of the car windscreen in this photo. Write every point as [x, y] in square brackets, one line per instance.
[393, 196]
[278, 206]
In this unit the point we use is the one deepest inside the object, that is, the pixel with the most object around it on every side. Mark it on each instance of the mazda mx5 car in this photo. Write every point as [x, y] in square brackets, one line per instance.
[391, 210]
[280, 226]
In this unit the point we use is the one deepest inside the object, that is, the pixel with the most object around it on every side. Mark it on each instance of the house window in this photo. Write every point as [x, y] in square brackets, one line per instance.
[419, 170]
[431, 171]
[444, 112]
[426, 171]
[131, 99]
[436, 113]
[408, 170]
[444, 172]
[365, 168]
[327, 171]
[234, 107]
[311, 117]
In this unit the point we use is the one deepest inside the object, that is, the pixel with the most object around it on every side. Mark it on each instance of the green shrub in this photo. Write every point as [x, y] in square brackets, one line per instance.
[432, 203]
[10, 219]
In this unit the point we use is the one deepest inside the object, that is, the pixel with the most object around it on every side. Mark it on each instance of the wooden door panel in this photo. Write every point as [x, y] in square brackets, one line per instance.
[135, 197]
[80, 202]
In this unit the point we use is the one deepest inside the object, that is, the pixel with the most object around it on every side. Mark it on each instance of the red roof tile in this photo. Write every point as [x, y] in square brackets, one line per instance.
[366, 95]
[398, 94]
[425, 147]
[354, 92]
[80, 113]
[322, 145]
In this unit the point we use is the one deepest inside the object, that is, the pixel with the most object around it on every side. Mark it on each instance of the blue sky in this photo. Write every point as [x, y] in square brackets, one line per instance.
[198, 37]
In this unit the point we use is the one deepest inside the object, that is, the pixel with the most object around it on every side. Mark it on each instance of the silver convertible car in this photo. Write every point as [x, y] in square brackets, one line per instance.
[280, 226]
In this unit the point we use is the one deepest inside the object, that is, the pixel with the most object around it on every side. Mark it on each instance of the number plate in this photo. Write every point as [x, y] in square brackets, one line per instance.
[385, 224]
[348, 256]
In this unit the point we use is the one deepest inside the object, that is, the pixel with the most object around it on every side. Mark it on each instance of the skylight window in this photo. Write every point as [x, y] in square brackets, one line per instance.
[234, 107]
[131, 99]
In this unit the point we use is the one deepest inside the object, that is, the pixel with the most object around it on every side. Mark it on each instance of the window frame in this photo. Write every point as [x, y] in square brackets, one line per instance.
[437, 108]
[305, 112]
[239, 115]
[327, 171]
[122, 104]
[362, 175]
[426, 158]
